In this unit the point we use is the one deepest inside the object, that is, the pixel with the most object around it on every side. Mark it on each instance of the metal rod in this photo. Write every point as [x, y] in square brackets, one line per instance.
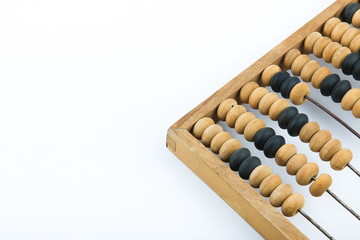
[353, 169]
[343, 204]
[316, 224]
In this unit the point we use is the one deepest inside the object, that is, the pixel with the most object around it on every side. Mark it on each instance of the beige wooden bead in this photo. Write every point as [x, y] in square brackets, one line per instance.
[339, 31]
[320, 185]
[290, 57]
[299, 63]
[233, 115]
[356, 109]
[329, 149]
[277, 107]
[266, 102]
[308, 130]
[209, 133]
[225, 107]
[252, 128]
[243, 120]
[256, 96]
[219, 140]
[329, 51]
[348, 36]
[329, 26]
[340, 159]
[268, 185]
[298, 93]
[319, 139]
[201, 125]
[268, 73]
[292, 204]
[355, 44]
[246, 90]
[320, 45]
[356, 19]
[310, 41]
[295, 163]
[339, 56]
[309, 69]
[306, 173]
[228, 148]
[258, 175]
[278, 196]
[284, 153]
[319, 76]
[350, 98]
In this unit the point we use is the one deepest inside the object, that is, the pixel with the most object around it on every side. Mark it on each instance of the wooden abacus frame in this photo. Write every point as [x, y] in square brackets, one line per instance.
[248, 203]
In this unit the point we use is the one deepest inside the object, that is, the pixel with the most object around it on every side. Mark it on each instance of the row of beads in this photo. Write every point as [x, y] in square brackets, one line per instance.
[274, 146]
[298, 124]
[250, 168]
[320, 77]
[351, 14]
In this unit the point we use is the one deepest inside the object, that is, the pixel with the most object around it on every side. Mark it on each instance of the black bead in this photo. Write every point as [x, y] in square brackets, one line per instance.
[349, 62]
[339, 90]
[262, 136]
[247, 166]
[328, 84]
[286, 115]
[287, 85]
[296, 123]
[278, 79]
[238, 157]
[349, 12]
[272, 145]
[356, 71]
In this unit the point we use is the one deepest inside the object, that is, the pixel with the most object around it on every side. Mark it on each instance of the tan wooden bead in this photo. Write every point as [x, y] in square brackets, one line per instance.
[308, 130]
[278, 196]
[329, 149]
[219, 140]
[243, 120]
[277, 107]
[299, 63]
[290, 57]
[329, 51]
[252, 128]
[306, 173]
[201, 125]
[295, 163]
[246, 90]
[209, 133]
[258, 175]
[256, 96]
[309, 69]
[356, 19]
[356, 109]
[225, 107]
[266, 102]
[292, 204]
[329, 26]
[228, 148]
[319, 139]
[310, 41]
[298, 93]
[339, 31]
[339, 56]
[350, 98]
[355, 44]
[320, 45]
[268, 73]
[319, 76]
[268, 185]
[340, 159]
[320, 185]
[348, 36]
[233, 115]
[284, 153]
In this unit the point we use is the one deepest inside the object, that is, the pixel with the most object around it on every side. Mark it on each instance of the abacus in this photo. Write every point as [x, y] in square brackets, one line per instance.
[215, 156]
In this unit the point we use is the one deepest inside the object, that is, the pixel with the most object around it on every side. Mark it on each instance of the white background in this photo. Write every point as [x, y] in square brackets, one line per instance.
[87, 92]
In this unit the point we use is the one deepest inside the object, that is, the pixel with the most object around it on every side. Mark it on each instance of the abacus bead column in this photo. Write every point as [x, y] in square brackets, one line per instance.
[209, 133]
[320, 45]
[295, 163]
[219, 140]
[310, 40]
[298, 93]
[288, 85]
[292, 204]
[284, 153]
[328, 84]
[277, 107]
[339, 90]
[340, 159]
[319, 76]
[309, 69]
[272, 145]
[262, 136]
[268, 185]
[349, 62]
[247, 166]
[246, 90]
[329, 51]
[278, 79]
[256, 96]
[349, 36]
[319, 139]
[228, 148]
[266, 102]
[238, 157]
[290, 57]
[242, 121]
[201, 125]
[339, 31]
[299, 63]
[329, 149]
[268, 73]
[296, 123]
[339, 56]
[349, 12]
[350, 98]
[225, 107]
[233, 115]
[258, 175]
[278, 196]
[286, 115]
[320, 185]
[329, 25]
[306, 173]
[308, 130]
[252, 128]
